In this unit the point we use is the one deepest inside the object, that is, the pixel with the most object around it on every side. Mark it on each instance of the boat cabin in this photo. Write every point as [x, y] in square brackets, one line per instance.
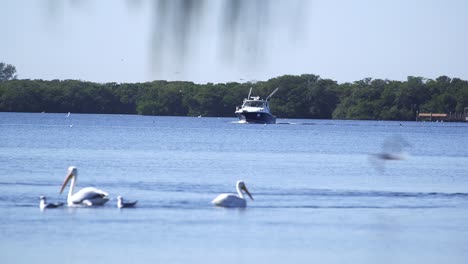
[254, 103]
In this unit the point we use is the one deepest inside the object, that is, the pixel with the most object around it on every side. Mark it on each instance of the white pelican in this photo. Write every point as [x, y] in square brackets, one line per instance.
[88, 196]
[43, 203]
[232, 200]
[122, 204]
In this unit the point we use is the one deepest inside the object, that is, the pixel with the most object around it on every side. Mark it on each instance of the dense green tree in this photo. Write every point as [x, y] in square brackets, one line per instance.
[304, 96]
[7, 72]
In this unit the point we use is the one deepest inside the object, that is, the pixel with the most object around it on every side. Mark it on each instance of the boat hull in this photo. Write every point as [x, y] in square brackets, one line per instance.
[257, 118]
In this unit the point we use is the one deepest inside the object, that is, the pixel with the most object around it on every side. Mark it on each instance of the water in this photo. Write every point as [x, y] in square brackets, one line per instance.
[319, 194]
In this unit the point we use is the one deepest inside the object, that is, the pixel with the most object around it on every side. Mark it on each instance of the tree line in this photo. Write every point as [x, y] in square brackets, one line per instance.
[300, 96]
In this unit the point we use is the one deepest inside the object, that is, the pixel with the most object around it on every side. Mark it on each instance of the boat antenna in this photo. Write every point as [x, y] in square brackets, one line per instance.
[248, 97]
[272, 94]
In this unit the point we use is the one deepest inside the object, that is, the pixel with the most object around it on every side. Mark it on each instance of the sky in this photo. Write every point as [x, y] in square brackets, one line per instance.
[222, 41]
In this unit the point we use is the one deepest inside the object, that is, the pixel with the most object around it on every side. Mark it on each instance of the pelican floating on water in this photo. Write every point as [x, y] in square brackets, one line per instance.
[233, 200]
[122, 204]
[43, 203]
[88, 196]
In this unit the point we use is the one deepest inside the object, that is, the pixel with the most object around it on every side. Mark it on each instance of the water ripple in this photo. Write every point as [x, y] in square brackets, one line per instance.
[351, 193]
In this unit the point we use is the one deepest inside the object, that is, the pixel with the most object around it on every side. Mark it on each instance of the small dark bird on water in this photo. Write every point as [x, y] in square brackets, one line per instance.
[43, 203]
[122, 204]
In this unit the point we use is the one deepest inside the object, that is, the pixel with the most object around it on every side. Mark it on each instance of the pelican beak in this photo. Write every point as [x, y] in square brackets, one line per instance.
[248, 193]
[67, 179]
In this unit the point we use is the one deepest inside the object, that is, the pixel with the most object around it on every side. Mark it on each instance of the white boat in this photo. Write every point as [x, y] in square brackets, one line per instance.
[256, 110]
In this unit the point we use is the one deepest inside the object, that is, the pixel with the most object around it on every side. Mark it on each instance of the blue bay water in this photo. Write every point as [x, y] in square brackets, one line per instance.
[320, 194]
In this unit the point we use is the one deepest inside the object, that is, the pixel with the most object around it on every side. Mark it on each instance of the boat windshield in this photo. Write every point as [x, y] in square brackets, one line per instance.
[254, 103]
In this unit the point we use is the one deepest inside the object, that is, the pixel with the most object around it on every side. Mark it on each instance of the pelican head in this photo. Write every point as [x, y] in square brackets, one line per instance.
[72, 172]
[241, 186]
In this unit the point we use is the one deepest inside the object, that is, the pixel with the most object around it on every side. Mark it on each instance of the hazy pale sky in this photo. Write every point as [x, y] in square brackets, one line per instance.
[234, 40]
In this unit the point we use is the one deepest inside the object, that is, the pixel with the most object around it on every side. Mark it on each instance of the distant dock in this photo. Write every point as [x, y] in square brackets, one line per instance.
[441, 117]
